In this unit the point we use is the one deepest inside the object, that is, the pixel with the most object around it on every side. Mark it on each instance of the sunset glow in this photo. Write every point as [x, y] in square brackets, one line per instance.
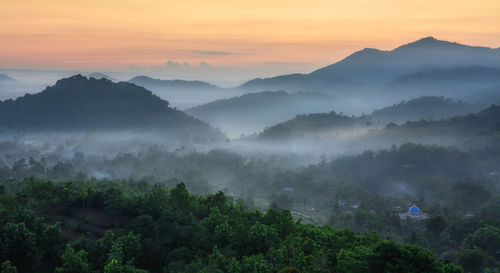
[115, 34]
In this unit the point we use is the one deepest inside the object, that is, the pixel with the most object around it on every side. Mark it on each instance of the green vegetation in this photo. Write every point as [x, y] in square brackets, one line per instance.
[113, 226]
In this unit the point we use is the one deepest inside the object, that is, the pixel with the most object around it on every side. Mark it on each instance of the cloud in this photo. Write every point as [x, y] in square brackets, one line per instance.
[209, 52]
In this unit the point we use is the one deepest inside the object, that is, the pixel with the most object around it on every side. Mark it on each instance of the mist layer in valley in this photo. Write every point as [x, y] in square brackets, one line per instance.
[366, 136]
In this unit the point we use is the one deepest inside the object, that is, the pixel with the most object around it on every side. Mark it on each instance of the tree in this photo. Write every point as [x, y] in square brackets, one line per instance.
[256, 264]
[487, 238]
[74, 262]
[19, 246]
[354, 261]
[7, 267]
[436, 224]
[388, 256]
[473, 260]
[261, 238]
[122, 255]
[179, 196]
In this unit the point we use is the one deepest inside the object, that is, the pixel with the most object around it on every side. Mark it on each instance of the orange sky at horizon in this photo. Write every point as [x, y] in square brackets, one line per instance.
[114, 34]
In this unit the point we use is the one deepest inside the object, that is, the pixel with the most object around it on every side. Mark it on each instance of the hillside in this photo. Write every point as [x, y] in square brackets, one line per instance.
[430, 107]
[257, 110]
[78, 104]
[485, 96]
[453, 82]
[183, 94]
[313, 124]
[337, 132]
[486, 122]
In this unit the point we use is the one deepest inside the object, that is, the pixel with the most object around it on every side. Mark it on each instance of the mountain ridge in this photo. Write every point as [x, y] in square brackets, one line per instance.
[374, 66]
[78, 103]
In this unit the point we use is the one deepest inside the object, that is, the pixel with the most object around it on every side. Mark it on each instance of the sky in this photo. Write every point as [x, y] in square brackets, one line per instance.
[229, 38]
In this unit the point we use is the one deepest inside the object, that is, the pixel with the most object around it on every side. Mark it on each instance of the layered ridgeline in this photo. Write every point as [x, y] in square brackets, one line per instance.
[9, 87]
[80, 104]
[484, 123]
[6, 79]
[370, 68]
[254, 111]
[182, 93]
[339, 132]
[440, 80]
[428, 107]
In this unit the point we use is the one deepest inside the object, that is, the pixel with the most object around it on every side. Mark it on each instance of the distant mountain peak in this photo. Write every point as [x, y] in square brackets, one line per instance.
[98, 75]
[6, 78]
[428, 39]
[429, 42]
[78, 78]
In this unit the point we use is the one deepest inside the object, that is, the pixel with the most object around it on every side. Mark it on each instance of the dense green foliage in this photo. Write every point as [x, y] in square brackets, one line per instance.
[112, 226]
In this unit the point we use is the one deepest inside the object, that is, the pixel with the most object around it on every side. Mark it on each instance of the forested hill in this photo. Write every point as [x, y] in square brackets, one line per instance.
[77, 103]
[137, 227]
[427, 107]
[308, 125]
[485, 123]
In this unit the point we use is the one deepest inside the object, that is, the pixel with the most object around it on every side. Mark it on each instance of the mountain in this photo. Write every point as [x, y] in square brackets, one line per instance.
[315, 125]
[429, 107]
[370, 66]
[453, 81]
[10, 87]
[485, 96]
[254, 111]
[183, 93]
[98, 76]
[471, 131]
[7, 79]
[179, 84]
[486, 122]
[80, 104]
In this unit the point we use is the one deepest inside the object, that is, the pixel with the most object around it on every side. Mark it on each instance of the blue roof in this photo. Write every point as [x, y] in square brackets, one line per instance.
[414, 210]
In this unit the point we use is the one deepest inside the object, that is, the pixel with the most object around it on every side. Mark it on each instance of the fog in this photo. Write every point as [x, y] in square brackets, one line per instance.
[346, 145]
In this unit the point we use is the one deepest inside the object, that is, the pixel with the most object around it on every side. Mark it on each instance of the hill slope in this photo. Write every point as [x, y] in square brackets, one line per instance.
[254, 111]
[183, 93]
[313, 125]
[77, 103]
[452, 82]
[424, 108]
